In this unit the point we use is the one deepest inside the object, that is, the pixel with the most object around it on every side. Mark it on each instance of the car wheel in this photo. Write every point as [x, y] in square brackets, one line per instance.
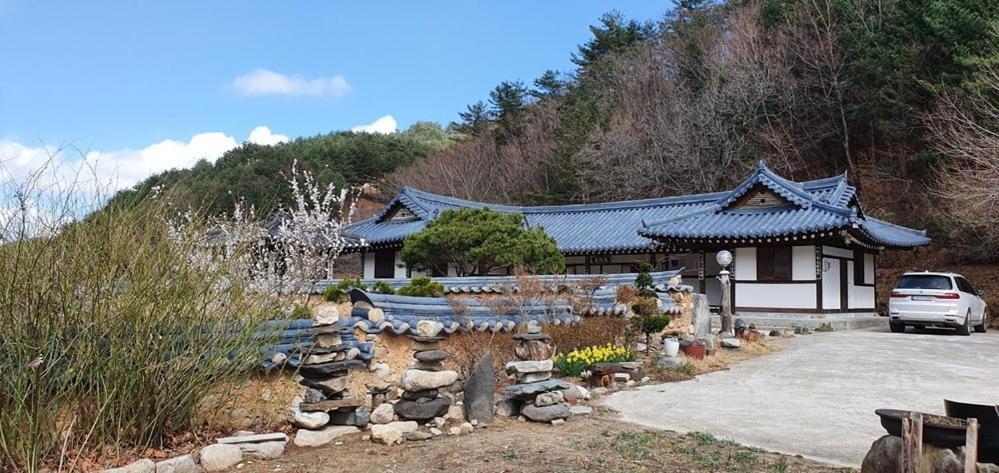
[982, 327]
[896, 327]
[965, 328]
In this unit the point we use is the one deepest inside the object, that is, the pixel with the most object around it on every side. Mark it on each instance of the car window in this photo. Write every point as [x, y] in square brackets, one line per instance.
[965, 285]
[924, 281]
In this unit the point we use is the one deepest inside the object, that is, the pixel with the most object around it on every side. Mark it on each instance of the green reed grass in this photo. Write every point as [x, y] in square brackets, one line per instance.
[111, 333]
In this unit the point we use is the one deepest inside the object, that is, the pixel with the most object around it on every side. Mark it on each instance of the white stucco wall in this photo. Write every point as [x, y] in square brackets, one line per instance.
[803, 264]
[860, 297]
[778, 296]
[830, 283]
[745, 264]
[400, 267]
[369, 265]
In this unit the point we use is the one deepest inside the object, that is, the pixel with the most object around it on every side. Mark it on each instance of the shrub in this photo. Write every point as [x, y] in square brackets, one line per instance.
[645, 306]
[383, 287]
[422, 286]
[301, 312]
[575, 362]
[649, 324]
[467, 348]
[113, 333]
[590, 331]
[338, 292]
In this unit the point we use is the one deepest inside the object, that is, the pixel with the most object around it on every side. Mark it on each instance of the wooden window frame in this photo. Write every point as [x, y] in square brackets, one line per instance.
[774, 263]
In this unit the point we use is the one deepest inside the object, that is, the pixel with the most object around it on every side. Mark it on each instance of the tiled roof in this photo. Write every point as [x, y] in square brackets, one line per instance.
[807, 210]
[822, 204]
[501, 284]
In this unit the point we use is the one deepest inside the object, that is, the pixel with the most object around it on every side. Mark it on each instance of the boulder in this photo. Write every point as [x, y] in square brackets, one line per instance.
[533, 327]
[546, 413]
[325, 314]
[417, 380]
[181, 464]
[264, 450]
[701, 322]
[581, 410]
[428, 328]
[508, 408]
[431, 356]
[534, 350]
[479, 391]
[422, 410]
[422, 394]
[220, 457]
[383, 414]
[141, 466]
[356, 417]
[308, 420]
[532, 366]
[427, 366]
[316, 438]
[466, 428]
[327, 340]
[392, 432]
[329, 387]
[548, 398]
[523, 391]
[575, 393]
[731, 343]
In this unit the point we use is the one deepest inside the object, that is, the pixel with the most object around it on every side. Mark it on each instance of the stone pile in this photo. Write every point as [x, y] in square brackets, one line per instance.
[422, 382]
[536, 395]
[326, 411]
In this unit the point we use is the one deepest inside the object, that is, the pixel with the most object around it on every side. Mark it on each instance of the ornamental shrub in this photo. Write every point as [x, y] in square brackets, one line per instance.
[301, 312]
[422, 286]
[338, 293]
[382, 287]
[577, 361]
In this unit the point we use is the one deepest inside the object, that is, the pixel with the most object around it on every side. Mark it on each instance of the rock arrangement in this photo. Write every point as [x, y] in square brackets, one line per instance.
[421, 399]
[327, 412]
[536, 395]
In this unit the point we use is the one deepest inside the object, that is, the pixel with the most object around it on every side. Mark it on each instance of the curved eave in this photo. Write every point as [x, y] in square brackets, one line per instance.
[882, 234]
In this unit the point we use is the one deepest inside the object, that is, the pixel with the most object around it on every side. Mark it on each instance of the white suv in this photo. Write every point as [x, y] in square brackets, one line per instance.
[939, 300]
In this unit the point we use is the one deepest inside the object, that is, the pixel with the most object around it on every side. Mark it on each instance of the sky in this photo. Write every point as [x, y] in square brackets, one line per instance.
[141, 87]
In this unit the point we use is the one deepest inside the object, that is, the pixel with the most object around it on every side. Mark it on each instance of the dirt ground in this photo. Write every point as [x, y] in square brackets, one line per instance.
[597, 443]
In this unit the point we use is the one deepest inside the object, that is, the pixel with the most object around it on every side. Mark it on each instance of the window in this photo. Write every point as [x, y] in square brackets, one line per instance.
[964, 286]
[773, 263]
[924, 281]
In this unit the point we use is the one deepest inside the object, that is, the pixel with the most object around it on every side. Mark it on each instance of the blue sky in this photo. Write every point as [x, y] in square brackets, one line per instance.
[121, 76]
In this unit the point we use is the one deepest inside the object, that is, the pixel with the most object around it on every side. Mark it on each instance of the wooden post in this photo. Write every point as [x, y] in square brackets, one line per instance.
[971, 447]
[912, 441]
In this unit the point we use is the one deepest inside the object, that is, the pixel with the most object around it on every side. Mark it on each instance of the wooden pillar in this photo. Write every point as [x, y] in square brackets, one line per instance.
[701, 267]
[818, 278]
[588, 271]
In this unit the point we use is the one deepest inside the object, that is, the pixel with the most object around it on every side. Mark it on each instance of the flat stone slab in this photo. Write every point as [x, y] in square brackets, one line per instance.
[546, 413]
[525, 367]
[255, 438]
[418, 380]
[430, 356]
[316, 438]
[422, 410]
[330, 405]
[521, 391]
[329, 369]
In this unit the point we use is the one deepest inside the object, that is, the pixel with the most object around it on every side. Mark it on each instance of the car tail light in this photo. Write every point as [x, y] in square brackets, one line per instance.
[949, 295]
[898, 294]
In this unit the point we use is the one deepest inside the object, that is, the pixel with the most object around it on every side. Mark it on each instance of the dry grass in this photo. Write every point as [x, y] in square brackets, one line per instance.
[597, 443]
[465, 349]
[591, 331]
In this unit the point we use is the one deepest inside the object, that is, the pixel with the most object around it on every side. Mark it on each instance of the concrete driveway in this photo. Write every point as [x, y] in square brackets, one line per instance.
[817, 397]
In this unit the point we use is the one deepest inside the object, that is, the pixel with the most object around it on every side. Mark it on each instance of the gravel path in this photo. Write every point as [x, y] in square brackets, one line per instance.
[817, 396]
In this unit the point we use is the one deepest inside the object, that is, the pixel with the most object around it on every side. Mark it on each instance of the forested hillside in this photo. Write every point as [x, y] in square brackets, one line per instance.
[901, 94]
[256, 173]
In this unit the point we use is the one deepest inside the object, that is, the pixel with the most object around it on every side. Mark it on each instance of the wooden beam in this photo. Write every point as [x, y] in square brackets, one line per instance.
[912, 441]
[971, 447]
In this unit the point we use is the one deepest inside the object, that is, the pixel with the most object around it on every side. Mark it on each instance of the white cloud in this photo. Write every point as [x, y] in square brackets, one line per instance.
[262, 135]
[122, 168]
[267, 82]
[383, 125]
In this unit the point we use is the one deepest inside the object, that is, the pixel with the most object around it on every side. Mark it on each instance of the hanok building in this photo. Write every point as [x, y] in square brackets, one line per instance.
[799, 247]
